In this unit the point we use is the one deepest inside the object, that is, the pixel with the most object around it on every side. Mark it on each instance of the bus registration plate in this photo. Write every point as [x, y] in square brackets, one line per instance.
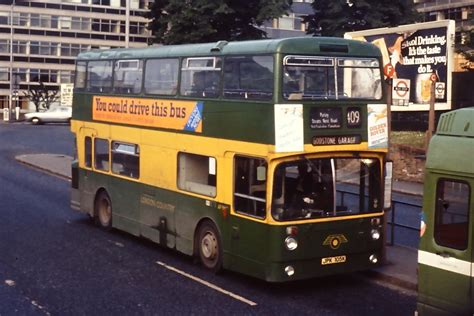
[333, 260]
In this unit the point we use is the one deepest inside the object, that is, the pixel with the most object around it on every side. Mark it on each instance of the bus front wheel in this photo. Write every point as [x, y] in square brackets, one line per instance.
[103, 210]
[209, 246]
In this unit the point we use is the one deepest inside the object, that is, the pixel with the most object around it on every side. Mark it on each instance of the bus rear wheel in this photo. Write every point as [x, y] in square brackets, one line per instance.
[209, 247]
[103, 210]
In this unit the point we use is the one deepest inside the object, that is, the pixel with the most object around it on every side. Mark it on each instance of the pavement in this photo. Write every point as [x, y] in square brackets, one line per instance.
[399, 269]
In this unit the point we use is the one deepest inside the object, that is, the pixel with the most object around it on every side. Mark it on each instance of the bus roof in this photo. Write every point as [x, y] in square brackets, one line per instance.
[295, 45]
[452, 147]
[457, 123]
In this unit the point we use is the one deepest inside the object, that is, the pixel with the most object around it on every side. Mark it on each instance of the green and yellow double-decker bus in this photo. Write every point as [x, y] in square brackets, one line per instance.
[263, 157]
[446, 253]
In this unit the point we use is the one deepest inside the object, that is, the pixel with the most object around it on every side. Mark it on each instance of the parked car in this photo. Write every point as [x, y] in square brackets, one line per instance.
[54, 115]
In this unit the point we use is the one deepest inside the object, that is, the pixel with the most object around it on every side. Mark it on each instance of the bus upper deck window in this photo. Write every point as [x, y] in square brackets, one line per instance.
[128, 76]
[201, 76]
[99, 76]
[320, 77]
[80, 82]
[248, 77]
[161, 76]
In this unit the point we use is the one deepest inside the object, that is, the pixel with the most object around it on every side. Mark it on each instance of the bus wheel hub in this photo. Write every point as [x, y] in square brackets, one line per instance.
[209, 246]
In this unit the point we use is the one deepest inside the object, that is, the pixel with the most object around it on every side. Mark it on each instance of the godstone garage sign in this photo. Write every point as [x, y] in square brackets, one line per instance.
[412, 53]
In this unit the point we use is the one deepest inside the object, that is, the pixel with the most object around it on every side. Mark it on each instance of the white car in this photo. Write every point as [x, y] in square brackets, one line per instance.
[53, 115]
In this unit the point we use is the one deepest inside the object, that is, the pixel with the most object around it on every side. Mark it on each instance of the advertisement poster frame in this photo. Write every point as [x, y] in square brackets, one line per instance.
[416, 51]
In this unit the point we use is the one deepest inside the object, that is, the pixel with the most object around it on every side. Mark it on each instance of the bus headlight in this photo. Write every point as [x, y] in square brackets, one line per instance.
[289, 270]
[291, 243]
[373, 259]
[375, 234]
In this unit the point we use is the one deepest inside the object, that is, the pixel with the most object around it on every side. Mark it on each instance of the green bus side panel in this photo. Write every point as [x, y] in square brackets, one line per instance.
[245, 121]
[163, 216]
[190, 211]
[248, 246]
[447, 293]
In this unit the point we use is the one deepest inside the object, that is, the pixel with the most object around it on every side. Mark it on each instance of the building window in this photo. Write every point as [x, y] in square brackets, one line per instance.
[452, 213]
[45, 21]
[126, 159]
[65, 22]
[34, 75]
[101, 154]
[4, 18]
[65, 76]
[34, 48]
[161, 76]
[4, 46]
[250, 186]
[54, 21]
[20, 19]
[4, 74]
[20, 47]
[197, 174]
[21, 73]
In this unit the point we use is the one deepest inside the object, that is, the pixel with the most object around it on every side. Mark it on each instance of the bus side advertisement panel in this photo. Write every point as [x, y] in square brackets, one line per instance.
[169, 114]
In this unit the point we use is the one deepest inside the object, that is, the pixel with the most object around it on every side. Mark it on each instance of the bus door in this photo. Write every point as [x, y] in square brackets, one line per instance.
[85, 139]
[124, 187]
[446, 256]
[248, 230]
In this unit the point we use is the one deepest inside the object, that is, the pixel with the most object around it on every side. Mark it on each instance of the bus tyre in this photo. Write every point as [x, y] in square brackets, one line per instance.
[103, 210]
[209, 247]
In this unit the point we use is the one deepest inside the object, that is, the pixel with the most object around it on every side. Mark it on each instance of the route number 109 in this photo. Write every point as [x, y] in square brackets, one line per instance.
[353, 117]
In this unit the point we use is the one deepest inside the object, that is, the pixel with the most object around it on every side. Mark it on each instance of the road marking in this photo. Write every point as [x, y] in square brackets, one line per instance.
[10, 282]
[210, 285]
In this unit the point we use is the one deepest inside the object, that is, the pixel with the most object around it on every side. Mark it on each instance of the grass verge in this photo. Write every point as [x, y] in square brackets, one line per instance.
[414, 139]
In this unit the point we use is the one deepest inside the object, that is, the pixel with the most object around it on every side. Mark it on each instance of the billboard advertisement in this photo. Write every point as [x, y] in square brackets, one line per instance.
[415, 52]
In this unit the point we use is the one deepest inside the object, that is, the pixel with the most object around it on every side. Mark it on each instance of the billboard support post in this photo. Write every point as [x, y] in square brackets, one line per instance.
[389, 112]
[431, 114]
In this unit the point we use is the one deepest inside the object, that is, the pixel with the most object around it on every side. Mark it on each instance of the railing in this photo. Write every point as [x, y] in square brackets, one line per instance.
[394, 224]
[392, 212]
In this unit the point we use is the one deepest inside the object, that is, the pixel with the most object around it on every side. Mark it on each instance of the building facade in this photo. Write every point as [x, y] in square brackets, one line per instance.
[39, 40]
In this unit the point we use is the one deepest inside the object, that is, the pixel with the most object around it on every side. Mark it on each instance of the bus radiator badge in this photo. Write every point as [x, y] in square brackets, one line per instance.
[334, 241]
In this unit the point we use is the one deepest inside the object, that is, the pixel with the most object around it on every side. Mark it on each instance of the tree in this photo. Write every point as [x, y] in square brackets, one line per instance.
[465, 46]
[42, 96]
[198, 21]
[336, 17]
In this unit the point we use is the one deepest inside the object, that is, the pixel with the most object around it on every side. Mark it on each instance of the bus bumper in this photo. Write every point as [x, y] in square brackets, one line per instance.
[312, 268]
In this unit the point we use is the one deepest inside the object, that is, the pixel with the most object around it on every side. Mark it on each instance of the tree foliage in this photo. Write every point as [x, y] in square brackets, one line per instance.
[198, 21]
[42, 96]
[336, 17]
